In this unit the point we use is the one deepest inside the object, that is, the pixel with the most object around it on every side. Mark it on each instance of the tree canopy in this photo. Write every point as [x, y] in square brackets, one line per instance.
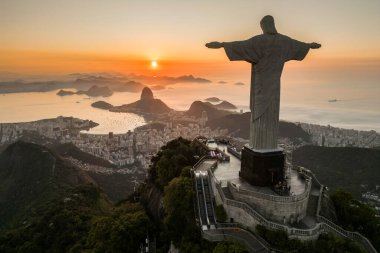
[170, 161]
[84, 220]
[356, 216]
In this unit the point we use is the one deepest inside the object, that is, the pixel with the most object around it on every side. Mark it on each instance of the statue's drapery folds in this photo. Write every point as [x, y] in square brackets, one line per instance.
[267, 53]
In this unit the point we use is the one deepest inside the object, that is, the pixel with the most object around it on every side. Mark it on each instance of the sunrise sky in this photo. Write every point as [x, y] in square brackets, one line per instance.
[39, 36]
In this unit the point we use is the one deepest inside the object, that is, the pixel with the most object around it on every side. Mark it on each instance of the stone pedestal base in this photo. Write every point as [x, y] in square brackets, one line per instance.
[262, 167]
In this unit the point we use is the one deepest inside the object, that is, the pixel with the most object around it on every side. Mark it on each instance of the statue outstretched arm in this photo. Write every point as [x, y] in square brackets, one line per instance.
[237, 50]
[215, 44]
[314, 45]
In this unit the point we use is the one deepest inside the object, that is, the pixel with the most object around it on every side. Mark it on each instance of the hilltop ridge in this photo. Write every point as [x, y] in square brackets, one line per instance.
[93, 91]
[29, 175]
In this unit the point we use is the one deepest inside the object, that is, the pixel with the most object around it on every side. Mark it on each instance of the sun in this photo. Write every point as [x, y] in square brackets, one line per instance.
[154, 64]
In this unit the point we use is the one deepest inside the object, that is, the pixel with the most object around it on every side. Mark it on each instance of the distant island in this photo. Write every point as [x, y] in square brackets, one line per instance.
[83, 81]
[65, 93]
[102, 105]
[213, 99]
[94, 91]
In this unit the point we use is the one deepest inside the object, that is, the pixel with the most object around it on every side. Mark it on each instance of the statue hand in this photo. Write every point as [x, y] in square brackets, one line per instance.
[315, 45]
[214, 44]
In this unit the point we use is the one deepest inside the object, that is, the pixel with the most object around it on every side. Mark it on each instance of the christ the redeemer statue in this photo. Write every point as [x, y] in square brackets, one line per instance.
[267, 53]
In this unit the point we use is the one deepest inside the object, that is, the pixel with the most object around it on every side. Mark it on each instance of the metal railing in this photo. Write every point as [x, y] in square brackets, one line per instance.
[274, 198]
[322, 225]
[329, 225]
[262, 220]
[234, 152]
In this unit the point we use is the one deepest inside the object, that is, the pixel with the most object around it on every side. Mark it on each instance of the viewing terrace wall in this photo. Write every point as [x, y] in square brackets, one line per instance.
[244, 214]
[248, 218]
[277, 208]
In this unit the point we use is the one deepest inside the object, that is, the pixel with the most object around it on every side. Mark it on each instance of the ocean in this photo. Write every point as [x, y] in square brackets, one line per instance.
[309, 104]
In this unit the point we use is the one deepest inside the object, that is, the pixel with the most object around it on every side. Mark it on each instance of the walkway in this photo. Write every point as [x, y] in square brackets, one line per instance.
[211, 230]
[204, 200]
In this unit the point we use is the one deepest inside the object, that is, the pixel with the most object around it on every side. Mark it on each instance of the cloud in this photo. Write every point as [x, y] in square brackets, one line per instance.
[239, 83]
[222, 82]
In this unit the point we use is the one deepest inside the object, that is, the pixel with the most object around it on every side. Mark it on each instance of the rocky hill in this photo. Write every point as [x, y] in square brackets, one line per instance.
[225, 105]
[102, 105]
[94, 91]
[353, 169]
[81, 220]
[238, 125]
[31, 174]
[198, 107]
[146, 104]
[70, 150]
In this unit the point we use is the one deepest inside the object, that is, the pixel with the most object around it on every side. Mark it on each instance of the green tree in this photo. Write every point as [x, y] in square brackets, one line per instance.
[170, 161]
[83, 221]
[179, 210]
[356, 216]
[229, 247]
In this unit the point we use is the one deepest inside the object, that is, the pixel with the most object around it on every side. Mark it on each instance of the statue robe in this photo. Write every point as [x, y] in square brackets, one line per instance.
[267, 53]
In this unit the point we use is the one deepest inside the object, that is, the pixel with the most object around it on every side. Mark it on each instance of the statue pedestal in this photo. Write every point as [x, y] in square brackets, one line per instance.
[262, 167]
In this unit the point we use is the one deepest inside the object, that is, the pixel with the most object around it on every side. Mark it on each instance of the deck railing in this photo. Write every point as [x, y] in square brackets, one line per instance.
[275, 198]
[331, 226]
[323, 223]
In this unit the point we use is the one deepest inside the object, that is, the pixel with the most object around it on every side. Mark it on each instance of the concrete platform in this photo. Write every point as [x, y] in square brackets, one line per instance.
[229, 171]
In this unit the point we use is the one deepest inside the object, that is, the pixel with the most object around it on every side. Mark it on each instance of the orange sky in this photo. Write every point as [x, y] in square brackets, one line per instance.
[31, 62]
[42, 36]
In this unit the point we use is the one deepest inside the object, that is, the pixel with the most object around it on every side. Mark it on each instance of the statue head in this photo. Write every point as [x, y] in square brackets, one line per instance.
[267, 25]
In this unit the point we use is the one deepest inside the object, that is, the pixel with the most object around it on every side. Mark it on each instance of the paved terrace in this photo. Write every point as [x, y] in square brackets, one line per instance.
[229, 171]
[257, 244]
[211, 230]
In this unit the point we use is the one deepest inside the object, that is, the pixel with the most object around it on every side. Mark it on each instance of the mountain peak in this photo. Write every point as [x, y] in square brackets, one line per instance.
[146, 104]
[197, 107]
[146, 94]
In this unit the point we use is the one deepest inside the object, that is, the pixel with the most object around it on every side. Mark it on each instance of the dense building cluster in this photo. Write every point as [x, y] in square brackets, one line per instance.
[329, 136]
[59, 127]
[123, 150]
